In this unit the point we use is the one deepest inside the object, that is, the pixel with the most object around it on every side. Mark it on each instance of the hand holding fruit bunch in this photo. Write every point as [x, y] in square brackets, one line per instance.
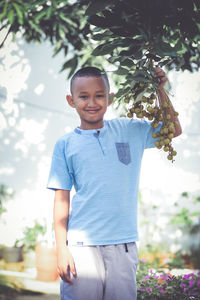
[157, 107]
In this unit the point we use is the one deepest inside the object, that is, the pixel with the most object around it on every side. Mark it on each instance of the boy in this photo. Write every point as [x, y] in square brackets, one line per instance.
[96, 249]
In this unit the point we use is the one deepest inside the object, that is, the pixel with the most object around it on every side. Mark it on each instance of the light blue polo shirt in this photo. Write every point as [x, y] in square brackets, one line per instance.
[104, 166]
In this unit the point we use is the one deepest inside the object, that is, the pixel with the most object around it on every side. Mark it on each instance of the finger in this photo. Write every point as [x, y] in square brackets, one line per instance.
[160, 74]
[73, 268]
[158, 69]
[66, 277]
[64, 274]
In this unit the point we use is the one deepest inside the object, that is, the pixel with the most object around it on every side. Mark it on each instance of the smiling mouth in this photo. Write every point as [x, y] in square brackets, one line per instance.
[92, 111]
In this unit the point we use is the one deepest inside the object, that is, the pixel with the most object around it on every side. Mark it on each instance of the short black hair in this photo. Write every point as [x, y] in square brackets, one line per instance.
[89, 72]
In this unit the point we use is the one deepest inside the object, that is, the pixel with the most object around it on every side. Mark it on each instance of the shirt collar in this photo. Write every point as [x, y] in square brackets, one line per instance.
[91, 131]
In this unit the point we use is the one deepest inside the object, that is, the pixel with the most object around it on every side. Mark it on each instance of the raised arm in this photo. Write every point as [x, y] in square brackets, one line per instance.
[165, 103]
[65, 260]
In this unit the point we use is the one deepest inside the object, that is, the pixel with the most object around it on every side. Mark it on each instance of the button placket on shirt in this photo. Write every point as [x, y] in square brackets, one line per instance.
[97, 135]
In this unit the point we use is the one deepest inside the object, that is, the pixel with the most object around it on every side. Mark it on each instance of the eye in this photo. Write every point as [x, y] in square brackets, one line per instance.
[100, 96]
[83, 97]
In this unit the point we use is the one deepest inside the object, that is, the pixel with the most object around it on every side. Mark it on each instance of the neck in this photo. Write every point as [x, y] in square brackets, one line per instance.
[91, 126]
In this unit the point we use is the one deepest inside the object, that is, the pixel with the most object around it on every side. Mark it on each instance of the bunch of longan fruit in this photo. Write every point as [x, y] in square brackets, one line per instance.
[148, 108]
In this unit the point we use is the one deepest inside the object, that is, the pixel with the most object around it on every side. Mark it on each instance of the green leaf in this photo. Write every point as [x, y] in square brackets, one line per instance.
[4, 13]
[137, 55]
[74, 66]
[122, 92]
[197, 199]
[140, 73]
[62, 33]
[119, 93]
[98, 21]
[142, 79]
[122, 71]
[185, 194]
[35, 27]
[195, 214]
[48, 12]
[97, 37]
[58, 48]
[11, 16]
[103, 49]
[40, 15]
[19, 13]
[96, 6]
[102, 36]
[67, 20]
[164, 49]
[127, 62]
[70, 64]
[178, 46]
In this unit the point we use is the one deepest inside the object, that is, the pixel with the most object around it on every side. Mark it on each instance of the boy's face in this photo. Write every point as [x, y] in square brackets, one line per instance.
[90, 98]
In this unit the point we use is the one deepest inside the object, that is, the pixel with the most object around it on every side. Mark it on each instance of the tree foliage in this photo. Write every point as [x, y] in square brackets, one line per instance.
[60, 22]
[135, 34]
[132, 34]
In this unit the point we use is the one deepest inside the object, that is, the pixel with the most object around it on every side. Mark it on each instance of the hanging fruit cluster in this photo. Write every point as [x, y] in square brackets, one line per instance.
[147, 107]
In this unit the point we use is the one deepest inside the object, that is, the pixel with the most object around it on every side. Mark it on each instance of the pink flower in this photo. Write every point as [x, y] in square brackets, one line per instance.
[198, 283]
[143, 260]
[148, 289]
[165, 277]
[151, 271]
[187, 276]
[147, 277]
[194, 293]
[182, 285]
[158, 286]
[191, 282]
[162, 291]
[156, 276]
[185, 290]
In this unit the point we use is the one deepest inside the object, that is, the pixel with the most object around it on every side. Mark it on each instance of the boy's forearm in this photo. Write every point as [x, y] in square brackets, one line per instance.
[61, 214]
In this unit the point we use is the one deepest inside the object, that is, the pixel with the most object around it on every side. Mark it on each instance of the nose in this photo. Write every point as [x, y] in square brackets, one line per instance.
[91, 101]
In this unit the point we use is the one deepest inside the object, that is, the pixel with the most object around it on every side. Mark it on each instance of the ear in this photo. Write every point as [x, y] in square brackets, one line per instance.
[70, 100]
[111, 98]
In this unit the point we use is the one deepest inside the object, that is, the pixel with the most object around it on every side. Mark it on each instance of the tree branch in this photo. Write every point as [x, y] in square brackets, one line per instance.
[9, 30]
[3, 26]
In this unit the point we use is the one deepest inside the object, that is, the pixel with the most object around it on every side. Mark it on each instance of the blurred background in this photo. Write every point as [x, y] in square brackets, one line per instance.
[34, 114]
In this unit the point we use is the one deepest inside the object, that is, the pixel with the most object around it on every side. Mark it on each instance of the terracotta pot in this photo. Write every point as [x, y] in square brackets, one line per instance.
[46, 263]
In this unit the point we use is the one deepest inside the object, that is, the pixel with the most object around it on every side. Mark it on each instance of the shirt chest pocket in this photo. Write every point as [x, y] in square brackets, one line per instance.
[123, 152]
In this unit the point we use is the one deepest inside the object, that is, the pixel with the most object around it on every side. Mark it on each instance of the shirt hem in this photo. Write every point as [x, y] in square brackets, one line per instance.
[102, 243]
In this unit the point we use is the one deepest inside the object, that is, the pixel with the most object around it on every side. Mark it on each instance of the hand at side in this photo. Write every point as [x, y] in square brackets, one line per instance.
[65, 263]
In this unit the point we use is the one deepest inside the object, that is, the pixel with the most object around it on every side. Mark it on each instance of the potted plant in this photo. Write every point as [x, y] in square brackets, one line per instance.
[13, 254]
[188, 221]
[32, 236]
[36, 241]
[6, 193]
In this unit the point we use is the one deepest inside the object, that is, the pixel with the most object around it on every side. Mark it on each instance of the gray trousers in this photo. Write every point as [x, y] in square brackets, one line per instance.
[103, 273]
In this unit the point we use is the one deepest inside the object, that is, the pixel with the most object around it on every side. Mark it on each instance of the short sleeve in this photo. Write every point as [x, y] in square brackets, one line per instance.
[59, 176]
[148, 130]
